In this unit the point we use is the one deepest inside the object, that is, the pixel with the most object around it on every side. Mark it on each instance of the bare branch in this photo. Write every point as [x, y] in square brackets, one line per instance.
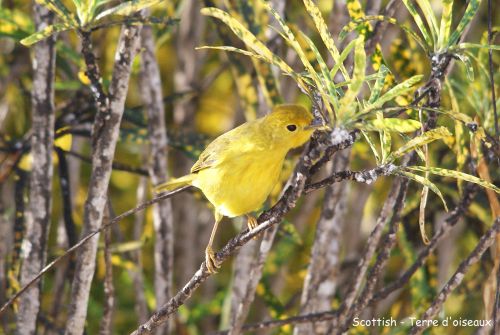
[104, 138]
[151, 92]
[109, 289]
[40, 202]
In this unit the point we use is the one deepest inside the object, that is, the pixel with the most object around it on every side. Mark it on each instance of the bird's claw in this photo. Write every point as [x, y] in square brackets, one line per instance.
[252, 224]
[210, 261]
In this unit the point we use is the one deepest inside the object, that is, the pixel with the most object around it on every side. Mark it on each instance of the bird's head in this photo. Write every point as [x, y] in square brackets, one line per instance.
[291, 125]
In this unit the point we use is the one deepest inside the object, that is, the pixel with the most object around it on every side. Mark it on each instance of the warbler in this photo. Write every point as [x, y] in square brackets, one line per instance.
[238, 170]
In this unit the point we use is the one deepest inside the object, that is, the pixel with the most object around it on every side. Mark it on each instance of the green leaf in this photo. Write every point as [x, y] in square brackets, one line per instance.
[127, 8]
[372, 146]
[292, 41]
[392, 93]
[446, 20]
[324, 32]
[416, 142]
[252, 42]
[232, 49]
[420, 24]
[353, 25]
[44, 33]
[469, 14]
[426, 8]
[421, 214]
[326, 79]
[58, 7]
[385, 138]
[347, 50]
[379, 84]
[346, 103]
[460, 147]
[465, 46]
[392, 124]
[423, 181]
[469, 69]
[455, 174]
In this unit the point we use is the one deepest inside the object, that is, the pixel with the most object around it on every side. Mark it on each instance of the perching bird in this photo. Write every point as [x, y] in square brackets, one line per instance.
[239, 169]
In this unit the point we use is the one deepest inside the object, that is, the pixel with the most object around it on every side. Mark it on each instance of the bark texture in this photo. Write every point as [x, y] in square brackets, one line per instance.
[40, 203]
[151, 91]
[105, 136]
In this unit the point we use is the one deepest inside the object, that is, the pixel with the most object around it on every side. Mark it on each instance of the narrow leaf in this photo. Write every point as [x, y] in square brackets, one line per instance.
[426, 8]
[416, 142]
[379, 84]
[420, 24]
[127, 8]
[469, 69]
[446, 20]
[421, 214]
[358, 78]
[455, 174]
[324, 32]
[355, 23]
[392, 124]
[252, 42]
[423, 181]
[469, 14]
[372, 146]
[393, 92]
[44, 33]
[58, 7]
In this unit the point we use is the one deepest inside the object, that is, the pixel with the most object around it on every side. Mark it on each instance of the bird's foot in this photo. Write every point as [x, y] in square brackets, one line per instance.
[252, 224]
[210, 261]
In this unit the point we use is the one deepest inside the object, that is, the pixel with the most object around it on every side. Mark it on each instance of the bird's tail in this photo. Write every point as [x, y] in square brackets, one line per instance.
[175, 183]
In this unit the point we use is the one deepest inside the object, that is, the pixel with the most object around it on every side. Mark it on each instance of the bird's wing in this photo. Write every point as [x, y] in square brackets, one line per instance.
[211, 155]
[229, 145]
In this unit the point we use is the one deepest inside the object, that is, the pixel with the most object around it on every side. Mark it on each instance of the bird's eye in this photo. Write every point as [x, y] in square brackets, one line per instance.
[291, 127]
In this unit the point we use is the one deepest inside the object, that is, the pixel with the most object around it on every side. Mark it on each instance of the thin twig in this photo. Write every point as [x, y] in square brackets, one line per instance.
[109, 289]
[87, 237]
[491, 71]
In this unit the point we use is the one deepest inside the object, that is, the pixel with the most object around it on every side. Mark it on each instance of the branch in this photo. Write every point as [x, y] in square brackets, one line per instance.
[84, 240]
[105, 133]
[163, 221]
[38, 214]
[484, 243]
[491, 71]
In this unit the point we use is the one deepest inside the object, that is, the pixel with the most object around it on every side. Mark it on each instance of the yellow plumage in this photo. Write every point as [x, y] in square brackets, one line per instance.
[238, 170]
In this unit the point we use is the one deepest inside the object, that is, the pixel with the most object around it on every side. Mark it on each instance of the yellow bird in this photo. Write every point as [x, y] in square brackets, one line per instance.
[238, 170]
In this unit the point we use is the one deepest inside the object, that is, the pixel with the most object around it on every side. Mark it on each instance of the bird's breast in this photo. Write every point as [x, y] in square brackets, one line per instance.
[243, 184]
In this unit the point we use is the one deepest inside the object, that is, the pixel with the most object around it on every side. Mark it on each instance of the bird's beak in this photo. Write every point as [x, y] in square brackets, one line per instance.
[317, 124]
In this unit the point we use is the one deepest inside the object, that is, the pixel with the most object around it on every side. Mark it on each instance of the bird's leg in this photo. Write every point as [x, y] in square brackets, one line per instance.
[210, 261]
[251, 222]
